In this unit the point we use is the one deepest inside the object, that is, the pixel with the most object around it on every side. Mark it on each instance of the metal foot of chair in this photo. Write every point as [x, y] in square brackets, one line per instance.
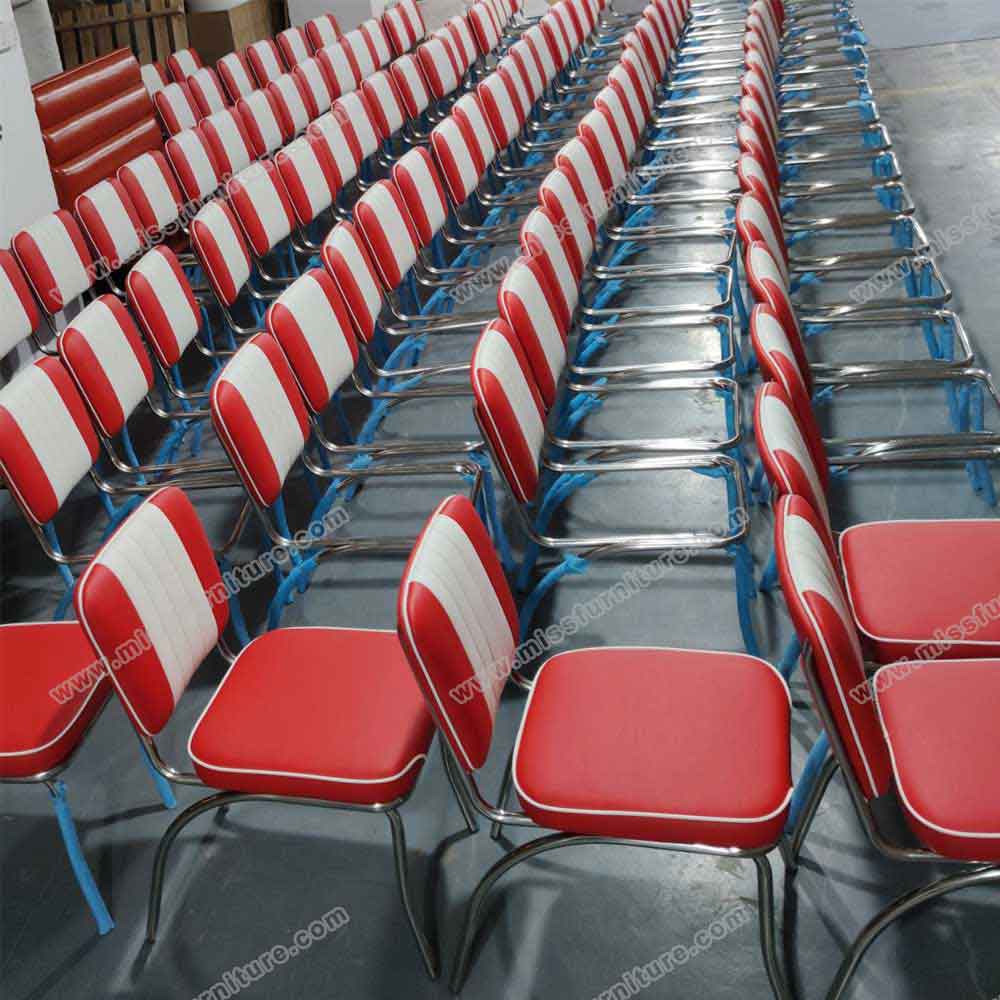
[427, 951]
[768, 937]
[468, 813]
[505, 786]
[816, 776]
[899, 908]
[84, 876]
[163, 849]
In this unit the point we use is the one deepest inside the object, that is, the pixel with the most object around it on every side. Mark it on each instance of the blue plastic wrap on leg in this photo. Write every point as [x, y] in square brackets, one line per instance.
[493, 519]
[298, 578]
[787, 204]
[808, 278]
[570, 564]
[790, 657]
[821, 396]
[69, 581]
[814, 329]
[625, 251]
[163, 788]
[769, 578]
[757, 478]
[746, 594]
[586, 349]
[78, 862]
[584, 404]
[640, 217]
[235, 609]
[741, 308]
[865, 110]
[606, 293]
[809, 776]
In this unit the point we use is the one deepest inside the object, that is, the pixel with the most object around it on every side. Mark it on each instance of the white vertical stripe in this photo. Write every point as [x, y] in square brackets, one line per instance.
[387, 101]
[244, 85]
[152, 565]
[61, 257]
[251, 373]
[180, 106]
[328, 343]
[363, 128]
[205, 81]
[468, 175]
[469, 106]
[114, 354]
[316, 83]
[342, 71]
[185, 61]
[52, 435]
[430, 199]
[451, 569]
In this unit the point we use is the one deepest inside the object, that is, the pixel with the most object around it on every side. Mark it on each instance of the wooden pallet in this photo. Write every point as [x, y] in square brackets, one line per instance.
[152, 29]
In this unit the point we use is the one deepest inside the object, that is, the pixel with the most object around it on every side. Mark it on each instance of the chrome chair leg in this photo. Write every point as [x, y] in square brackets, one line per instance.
[505, 785]
[904, 904]
[193, 811]
[768, 936]
[427, 951]
[468, 813]
[791, 845]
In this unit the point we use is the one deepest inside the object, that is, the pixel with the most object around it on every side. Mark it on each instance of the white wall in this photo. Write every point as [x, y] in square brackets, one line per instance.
[26, 188]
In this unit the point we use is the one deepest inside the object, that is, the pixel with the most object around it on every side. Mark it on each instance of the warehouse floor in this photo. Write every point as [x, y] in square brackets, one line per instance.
[567, 925]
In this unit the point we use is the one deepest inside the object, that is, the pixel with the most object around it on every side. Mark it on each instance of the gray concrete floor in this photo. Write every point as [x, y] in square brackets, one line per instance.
[567, 925]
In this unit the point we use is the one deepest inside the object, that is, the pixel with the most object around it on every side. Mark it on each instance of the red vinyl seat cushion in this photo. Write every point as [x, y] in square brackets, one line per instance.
[43, 716]
[325, 713]
[925, 583]
[669, 745]
[940, 721]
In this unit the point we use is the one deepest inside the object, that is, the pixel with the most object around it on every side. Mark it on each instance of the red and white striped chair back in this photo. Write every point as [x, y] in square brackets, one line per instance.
[384, 103]
[111, 223]
[293, 46]
[329, 129]
[183, 64]
[207, 91]
[753, 222]
[417, 179]
[358, 125]
[819, 608]
[54, 258]
[294, 102]
[176, 108]
[229, 142]
[313, 78]
[767, 282]
[412, 85]
[557, 195]
[356, 42]
[382, 219]
[309, 175]
[311, 323]
[378, 45]
[341, 68]
[264, 61]
[18, 312]
[235, 76]
[438, 68]
[322, 31]
[193, 164]
[153, 589]
[216, 238]
[265, 125]
[262, 206]
[542, 239]
[152, 189]
[458, 626]
[346, 257]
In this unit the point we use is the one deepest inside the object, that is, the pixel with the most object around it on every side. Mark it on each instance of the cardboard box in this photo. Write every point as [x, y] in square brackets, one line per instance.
[215, 33]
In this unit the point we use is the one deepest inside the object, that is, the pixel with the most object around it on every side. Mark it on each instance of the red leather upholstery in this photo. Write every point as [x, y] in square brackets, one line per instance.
[293, 46]
[653, 755]
[941, 727]
[262, 206]
[322, 31]
[417, 179]
[42, 721]
[381, 217]
[346, 258]
[294, 716]
[311, 323]
[458, 626]
[158, 561]
[18, 312]
[54, 257]
[94, 118]
[216, 238]
[885, 566]
[183, 63]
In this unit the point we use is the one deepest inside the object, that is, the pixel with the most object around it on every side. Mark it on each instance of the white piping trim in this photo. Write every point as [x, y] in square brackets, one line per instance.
[634, 814]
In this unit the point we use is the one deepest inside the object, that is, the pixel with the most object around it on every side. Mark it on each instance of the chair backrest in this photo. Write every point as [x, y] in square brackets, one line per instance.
[542, 239]
[111, 223]
[412, 85]
[310, 322]
[359, 128]
[588, 175]
[161, 298]
[260, 416]
[176, 107]
[265, 61]
[451, 47]
[628, 85]
[529, 69]
[103, 351]
[819, 608]
[378, 45]
[193, 163]
[183, 63]
[500, 103]
[382, 219]
[229, 142]
[458, 626]
[526, 304]
[154, 77]
[235, 76]
[509, 407]
[294, 103]
[356, 42]
[754, 179]
[265, 126]
[47, 442]
[768, 285]
[539, 42]
[399, 29]
[787, 456]
[437, 66]
[626, 129]
[417, 179]
[341, 67]
[207, 91]
[54, 257]
[262, 206]
[329, 129]
[604, 141]
[384, 103]
[293, 46]
[152, 189]
[781, 358]
[346, 257]
[484, 28]
[309, 175]
[18, 312]
[216, 238]
[557, 195]
[321, 31]
[458, 158]
[313, 78]
[153, 589]
[753, 222]
[468, 112]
